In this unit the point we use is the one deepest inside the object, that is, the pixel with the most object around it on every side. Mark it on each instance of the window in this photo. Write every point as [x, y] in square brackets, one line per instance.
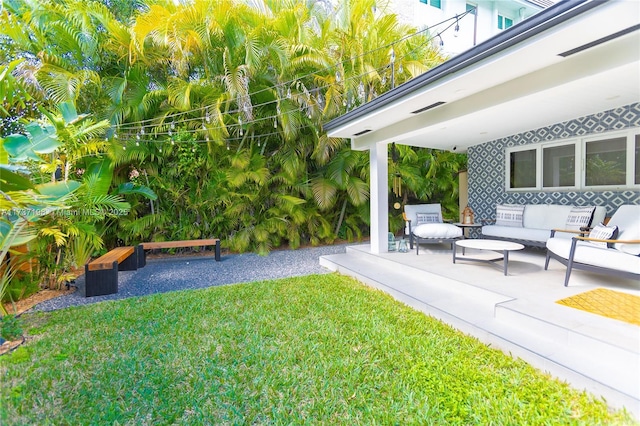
[504, 22]
[522, 169]
[472, 9]
[594, 162]
[434, 3]
[559, 166]
[606, 162]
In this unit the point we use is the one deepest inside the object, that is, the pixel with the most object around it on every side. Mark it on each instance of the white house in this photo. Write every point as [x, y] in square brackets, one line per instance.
[566, 80]
[461, 24]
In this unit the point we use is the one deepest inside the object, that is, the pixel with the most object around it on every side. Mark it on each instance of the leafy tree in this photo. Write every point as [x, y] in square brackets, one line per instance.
[218, 106]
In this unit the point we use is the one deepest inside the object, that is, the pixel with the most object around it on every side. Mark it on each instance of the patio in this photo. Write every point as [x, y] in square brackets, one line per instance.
[515, 313]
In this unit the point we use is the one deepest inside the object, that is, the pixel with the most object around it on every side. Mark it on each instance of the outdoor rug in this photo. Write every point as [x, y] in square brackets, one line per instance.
[612, 304]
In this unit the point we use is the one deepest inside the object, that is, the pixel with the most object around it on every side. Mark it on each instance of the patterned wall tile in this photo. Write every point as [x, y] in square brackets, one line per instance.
[486, 165]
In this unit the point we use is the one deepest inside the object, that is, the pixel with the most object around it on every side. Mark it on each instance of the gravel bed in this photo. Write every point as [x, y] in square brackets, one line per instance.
[174, 273]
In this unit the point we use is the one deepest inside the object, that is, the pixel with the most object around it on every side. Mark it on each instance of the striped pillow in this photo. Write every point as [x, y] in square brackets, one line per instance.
[509, 215]
[580, 217]
[428, 218]
[602, 232]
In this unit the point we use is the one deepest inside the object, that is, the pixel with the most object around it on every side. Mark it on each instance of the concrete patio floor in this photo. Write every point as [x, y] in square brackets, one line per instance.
[515, 313]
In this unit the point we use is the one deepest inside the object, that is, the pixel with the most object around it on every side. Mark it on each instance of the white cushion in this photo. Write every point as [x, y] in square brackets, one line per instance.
[546, 216]
[509, 215]
[437, 230]
[591, 255]
[627, 219]
[539, 235]
[412, 210]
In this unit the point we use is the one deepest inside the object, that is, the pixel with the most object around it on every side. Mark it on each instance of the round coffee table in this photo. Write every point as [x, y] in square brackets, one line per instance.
[503, 247]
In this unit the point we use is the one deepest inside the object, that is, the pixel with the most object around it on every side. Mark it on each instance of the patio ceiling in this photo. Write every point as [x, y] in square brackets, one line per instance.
[571, 60]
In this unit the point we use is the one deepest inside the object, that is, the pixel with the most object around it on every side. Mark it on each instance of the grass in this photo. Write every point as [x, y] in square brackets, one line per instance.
[320, 349]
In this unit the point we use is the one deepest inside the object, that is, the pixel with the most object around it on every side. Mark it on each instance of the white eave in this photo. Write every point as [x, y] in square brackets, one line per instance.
[525, 78]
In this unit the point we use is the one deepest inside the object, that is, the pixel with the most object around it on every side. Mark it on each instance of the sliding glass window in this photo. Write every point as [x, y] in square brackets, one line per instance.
[559, 166]
[606, 162]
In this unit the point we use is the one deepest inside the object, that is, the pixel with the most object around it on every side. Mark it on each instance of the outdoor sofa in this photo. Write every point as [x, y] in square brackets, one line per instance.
[531, 224]
[613, 249]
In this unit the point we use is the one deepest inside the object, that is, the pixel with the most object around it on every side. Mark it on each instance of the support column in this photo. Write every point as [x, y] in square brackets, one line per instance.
[379, 198]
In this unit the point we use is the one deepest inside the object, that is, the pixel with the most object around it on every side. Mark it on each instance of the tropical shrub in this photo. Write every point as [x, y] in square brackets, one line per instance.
[217, 106]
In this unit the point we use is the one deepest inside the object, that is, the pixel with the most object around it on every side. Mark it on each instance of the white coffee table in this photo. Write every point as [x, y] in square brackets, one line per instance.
[501, 247]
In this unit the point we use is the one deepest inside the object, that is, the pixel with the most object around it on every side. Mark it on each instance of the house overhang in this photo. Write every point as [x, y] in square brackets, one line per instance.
[573, 59]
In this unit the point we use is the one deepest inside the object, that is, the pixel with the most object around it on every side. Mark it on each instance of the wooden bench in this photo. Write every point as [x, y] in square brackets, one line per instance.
[142, 260]
[101, 274]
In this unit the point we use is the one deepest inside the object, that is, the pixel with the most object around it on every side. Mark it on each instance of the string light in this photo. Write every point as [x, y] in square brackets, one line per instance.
[319, 100]
[456, 18]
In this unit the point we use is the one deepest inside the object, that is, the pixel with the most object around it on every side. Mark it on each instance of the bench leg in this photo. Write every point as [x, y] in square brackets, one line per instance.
[217, 251]
[130, 263]
[101, 282]
[142, 257]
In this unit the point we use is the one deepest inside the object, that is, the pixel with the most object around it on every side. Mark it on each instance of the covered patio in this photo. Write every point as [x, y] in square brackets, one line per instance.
[570, 71]
[517, 313]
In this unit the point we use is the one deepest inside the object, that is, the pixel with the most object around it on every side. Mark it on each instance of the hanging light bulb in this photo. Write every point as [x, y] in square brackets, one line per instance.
[457, 28]
[173, 125]
[289, 93]
[137, 143]
[275, 124]
[400, 68]
[172, 142]
[142, 131]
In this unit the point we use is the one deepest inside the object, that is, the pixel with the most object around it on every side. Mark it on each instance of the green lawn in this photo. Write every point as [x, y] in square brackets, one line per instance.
[320, 349]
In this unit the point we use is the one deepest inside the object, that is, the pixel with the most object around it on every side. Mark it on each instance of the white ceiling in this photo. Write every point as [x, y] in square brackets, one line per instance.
[520, 88]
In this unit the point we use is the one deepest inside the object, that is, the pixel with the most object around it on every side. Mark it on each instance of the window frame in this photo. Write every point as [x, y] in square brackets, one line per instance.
[502, 22]
[430, 3]
[577, 152]
[521, 148]
[580, 144]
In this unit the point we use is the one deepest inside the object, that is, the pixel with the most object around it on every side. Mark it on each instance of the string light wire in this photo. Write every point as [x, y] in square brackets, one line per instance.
[152, 122]
[142, 124]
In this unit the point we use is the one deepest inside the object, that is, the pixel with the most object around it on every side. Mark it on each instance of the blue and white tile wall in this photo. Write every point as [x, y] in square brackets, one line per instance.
[486, 165]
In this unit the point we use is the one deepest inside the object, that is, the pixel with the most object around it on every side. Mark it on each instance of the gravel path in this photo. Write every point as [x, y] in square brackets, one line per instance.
[189, 272]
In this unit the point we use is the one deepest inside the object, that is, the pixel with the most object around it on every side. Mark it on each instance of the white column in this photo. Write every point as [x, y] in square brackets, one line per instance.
[379, 170]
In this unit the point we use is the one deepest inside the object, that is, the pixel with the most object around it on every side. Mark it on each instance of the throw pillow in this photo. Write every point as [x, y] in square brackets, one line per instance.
[428, 218]
[603, 232]
[580, 217]
[509, 215]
